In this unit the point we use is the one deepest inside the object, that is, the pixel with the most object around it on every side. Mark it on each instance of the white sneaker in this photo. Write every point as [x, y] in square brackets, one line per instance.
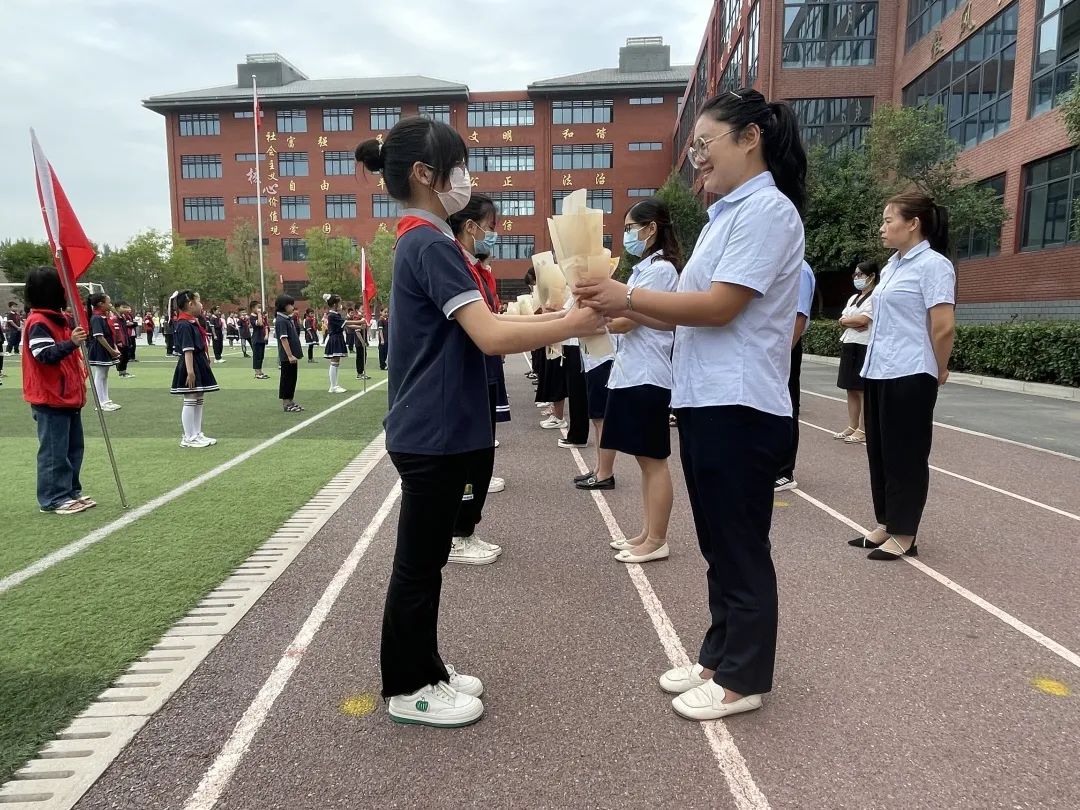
[206, 438]
[496, 485]
[337, 389]
[438, 705]
[706, 702]
[110, 406]
[783, 484]
[494, 549]
[464, 551]
[196, 442]
[542, 405]
[466, 684]
[568, 445]
[682, 679]
[554, 423]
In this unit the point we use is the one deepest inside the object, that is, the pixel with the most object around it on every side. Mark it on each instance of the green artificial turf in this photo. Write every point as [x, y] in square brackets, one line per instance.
[70, 631]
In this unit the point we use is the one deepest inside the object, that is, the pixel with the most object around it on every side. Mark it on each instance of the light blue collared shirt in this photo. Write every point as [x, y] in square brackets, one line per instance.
[643, 355]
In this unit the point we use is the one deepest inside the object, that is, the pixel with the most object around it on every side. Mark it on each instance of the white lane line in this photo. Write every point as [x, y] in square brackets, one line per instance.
[744, 789]
[990, 436]
[216, 779]
[96, 536]
[1013, 622]
[977, 483]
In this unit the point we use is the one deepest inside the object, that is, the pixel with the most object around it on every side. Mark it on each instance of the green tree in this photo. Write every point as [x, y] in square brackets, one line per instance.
[243, 250]
[19, 256]
[140, 272]
[380, 255]
[843, 210]
[219, 280]
[332, 266]
[688, 215]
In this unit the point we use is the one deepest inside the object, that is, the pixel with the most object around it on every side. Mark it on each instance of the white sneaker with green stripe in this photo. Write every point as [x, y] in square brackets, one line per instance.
[438, 705]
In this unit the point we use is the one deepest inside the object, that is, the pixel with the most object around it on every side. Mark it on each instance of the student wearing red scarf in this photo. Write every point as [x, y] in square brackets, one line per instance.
[193, 376]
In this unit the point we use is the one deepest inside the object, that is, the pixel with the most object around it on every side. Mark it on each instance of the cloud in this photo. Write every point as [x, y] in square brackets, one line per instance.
[81, 83]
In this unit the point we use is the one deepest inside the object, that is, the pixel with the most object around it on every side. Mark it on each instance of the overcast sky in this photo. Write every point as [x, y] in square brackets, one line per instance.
[77, 70]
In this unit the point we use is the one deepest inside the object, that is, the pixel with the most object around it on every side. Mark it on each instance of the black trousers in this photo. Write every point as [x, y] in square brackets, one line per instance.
[787, 469]
[431, 488]
[361, 357]
[168, 344]
[578, 394]
[479, 477]
[219, 347]
[899, 416]
[244, 343]
[730, 455]
[287, 382]
[538, 361]
[350, 340]
[311, 352]
[384, 348]
[123, 360]
[258, 351]
[149, 338]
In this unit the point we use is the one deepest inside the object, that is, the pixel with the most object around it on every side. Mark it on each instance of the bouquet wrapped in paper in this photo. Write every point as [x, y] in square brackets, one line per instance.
[550, 282]
[526, 304]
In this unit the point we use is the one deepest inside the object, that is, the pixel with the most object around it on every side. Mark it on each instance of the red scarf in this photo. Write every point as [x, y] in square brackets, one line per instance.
[187, 316]
[478, 272]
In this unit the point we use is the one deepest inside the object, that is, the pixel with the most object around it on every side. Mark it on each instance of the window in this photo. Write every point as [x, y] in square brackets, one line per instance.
[436, 112]
[974, 83]
[248, 114]
[644, 101]
[753, 43]
[836, 123]
[337, 120]
[1055, 58]
[601, 199]
[204, 209]
[297, 207]
[582, 156]
[731, 78]
[293, 164]
[514, 203]
[502, 159]
[294, 250]
[973, 245]
[514, 247]
[640, 146]
[829, 33]
[295, 288]
[292, 120]
[1050, 186]
[341, 206]
[731, 18]
[581, 112]
[384, 117]
[641, 192]
[200, 167]
[249, 157]
[607, 241]
[924, 15]
[502, 114]
[200, 124]
[337, 163]
[248, 200]
[383, 206]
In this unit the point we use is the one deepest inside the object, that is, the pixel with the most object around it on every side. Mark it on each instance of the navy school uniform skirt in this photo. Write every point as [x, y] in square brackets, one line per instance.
[636, 421]
[596, 389]
[335, 346]
[204, 375]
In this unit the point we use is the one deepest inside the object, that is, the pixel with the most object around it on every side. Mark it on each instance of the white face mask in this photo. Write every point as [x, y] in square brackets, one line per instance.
[460, 191]
[860, 284]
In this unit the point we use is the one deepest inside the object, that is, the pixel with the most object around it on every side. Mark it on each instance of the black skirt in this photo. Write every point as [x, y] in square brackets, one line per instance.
[849, 377]
[636, 422]
[204, 375]
[596, 381]
[552, 386]
[335, 346]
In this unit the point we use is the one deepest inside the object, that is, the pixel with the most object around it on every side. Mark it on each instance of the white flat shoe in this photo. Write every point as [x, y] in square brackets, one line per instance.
[706, 702]
[627, 556]
[682, 679]
[620, 545]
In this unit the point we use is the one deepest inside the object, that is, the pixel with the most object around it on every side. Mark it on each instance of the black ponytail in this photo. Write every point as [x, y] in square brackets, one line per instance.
[781, 144]
[413, 140]
[933, 218]
[667, 240]
[92, 302]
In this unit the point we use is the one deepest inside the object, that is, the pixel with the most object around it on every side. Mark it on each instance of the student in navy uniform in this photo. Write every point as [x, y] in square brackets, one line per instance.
[735, 311]
[116, 323]
[336, 325]
[103, 352]
[785, 480]
[437, 388]
[54, 383]
[243, 326]
[384, 338]
[193, 376]
[259, 339]
[361, 339]
[911, 341]
[311, 333]
[289, 351]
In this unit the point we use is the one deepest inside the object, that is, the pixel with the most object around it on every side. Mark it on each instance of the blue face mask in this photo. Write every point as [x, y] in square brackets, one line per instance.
[631, 243]
[486, 246]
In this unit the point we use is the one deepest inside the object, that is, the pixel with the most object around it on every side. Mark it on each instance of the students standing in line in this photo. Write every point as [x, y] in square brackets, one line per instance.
[289, 351]
[438, 387]
[259, 338]
[735, 311]
[907, 360]
[786, 478]
[103, 352]
[636, 422]
[856, 319]
[193, 376]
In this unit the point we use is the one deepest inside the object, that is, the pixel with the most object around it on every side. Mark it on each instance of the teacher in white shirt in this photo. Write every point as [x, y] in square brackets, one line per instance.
[907, 360]
[856, 319]
[735, 312]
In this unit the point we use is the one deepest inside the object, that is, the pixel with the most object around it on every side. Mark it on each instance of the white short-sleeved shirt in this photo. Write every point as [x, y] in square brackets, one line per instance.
[807, 285]
[900, 332]
[591, 361]
[861, 337]
[643, 356]
[754, 238]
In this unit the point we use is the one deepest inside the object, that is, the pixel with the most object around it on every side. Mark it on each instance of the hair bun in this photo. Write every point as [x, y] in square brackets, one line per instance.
[370, 153]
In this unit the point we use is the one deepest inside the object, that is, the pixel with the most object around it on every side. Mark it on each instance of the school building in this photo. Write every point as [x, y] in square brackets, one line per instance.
[998, 68]
[606, 130]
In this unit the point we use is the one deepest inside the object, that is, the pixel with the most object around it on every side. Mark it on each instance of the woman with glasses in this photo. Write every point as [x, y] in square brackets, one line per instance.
[734, 310]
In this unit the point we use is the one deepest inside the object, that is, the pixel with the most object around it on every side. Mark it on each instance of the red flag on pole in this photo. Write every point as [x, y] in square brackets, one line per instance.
[368, 290]
[72, 251]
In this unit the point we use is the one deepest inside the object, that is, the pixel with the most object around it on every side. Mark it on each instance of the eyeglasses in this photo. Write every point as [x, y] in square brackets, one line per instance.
[699, 149]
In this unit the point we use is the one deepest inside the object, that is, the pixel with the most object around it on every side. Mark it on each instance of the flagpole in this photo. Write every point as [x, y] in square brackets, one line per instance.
[364, 310]
[258, 191]
[76, 305]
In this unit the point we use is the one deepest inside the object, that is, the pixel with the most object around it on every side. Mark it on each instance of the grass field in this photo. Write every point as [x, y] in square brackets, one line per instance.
[68, 632]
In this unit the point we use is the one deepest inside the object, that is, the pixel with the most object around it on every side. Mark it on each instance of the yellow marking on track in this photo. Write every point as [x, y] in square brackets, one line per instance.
[359, 705]
[1051, 687]
[780, 504]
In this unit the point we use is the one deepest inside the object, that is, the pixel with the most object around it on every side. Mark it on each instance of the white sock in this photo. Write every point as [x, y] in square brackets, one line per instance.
[101, 383]
[187, 419]
[333, 375]
[198, 416]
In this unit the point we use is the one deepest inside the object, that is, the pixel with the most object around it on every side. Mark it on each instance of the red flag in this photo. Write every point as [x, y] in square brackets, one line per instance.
[368, 290]
[72, 251]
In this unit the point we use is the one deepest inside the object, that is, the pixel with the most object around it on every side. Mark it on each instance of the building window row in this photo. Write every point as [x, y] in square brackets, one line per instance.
[383, 206]
[582, 112]
[601, 199]
[923, 16]
[836, 123]
[339, 163]
[501, 114]
[641, 192]
[252, 200]
[1050, 186]
[294, 250]
[296, 206]
[250, 157]
[514, 247]
[646, 100]
[582, 156]
[248, 114]
[829, 34]
[292, 121]
[337, 120]
[514, 203]
[199, 124]
[200, 167]
[293, 164]
[384, 117]
[1056, 52]
[436, 112]
[974, 245]
[341, 206]
[204, 209]
[502, 159]
[646, 146]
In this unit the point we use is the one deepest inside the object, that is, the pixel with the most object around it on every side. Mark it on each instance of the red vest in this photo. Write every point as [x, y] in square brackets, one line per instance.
[60, 385]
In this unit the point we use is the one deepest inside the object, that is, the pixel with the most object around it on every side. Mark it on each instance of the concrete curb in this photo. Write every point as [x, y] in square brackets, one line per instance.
[995, 383]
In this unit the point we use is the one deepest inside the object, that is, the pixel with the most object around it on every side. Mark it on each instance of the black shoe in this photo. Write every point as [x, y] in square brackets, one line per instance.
[863, 542]
[579, 478]
[592, 483]
[891, 554]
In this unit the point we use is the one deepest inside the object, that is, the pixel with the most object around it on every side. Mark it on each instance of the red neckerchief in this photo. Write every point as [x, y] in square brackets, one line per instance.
[187, 316]
[477, 271]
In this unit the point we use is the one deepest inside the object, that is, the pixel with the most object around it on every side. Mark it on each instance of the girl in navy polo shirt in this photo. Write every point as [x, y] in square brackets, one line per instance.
[336, 348]
[193, 376]
[437, 388]
[103, 352]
